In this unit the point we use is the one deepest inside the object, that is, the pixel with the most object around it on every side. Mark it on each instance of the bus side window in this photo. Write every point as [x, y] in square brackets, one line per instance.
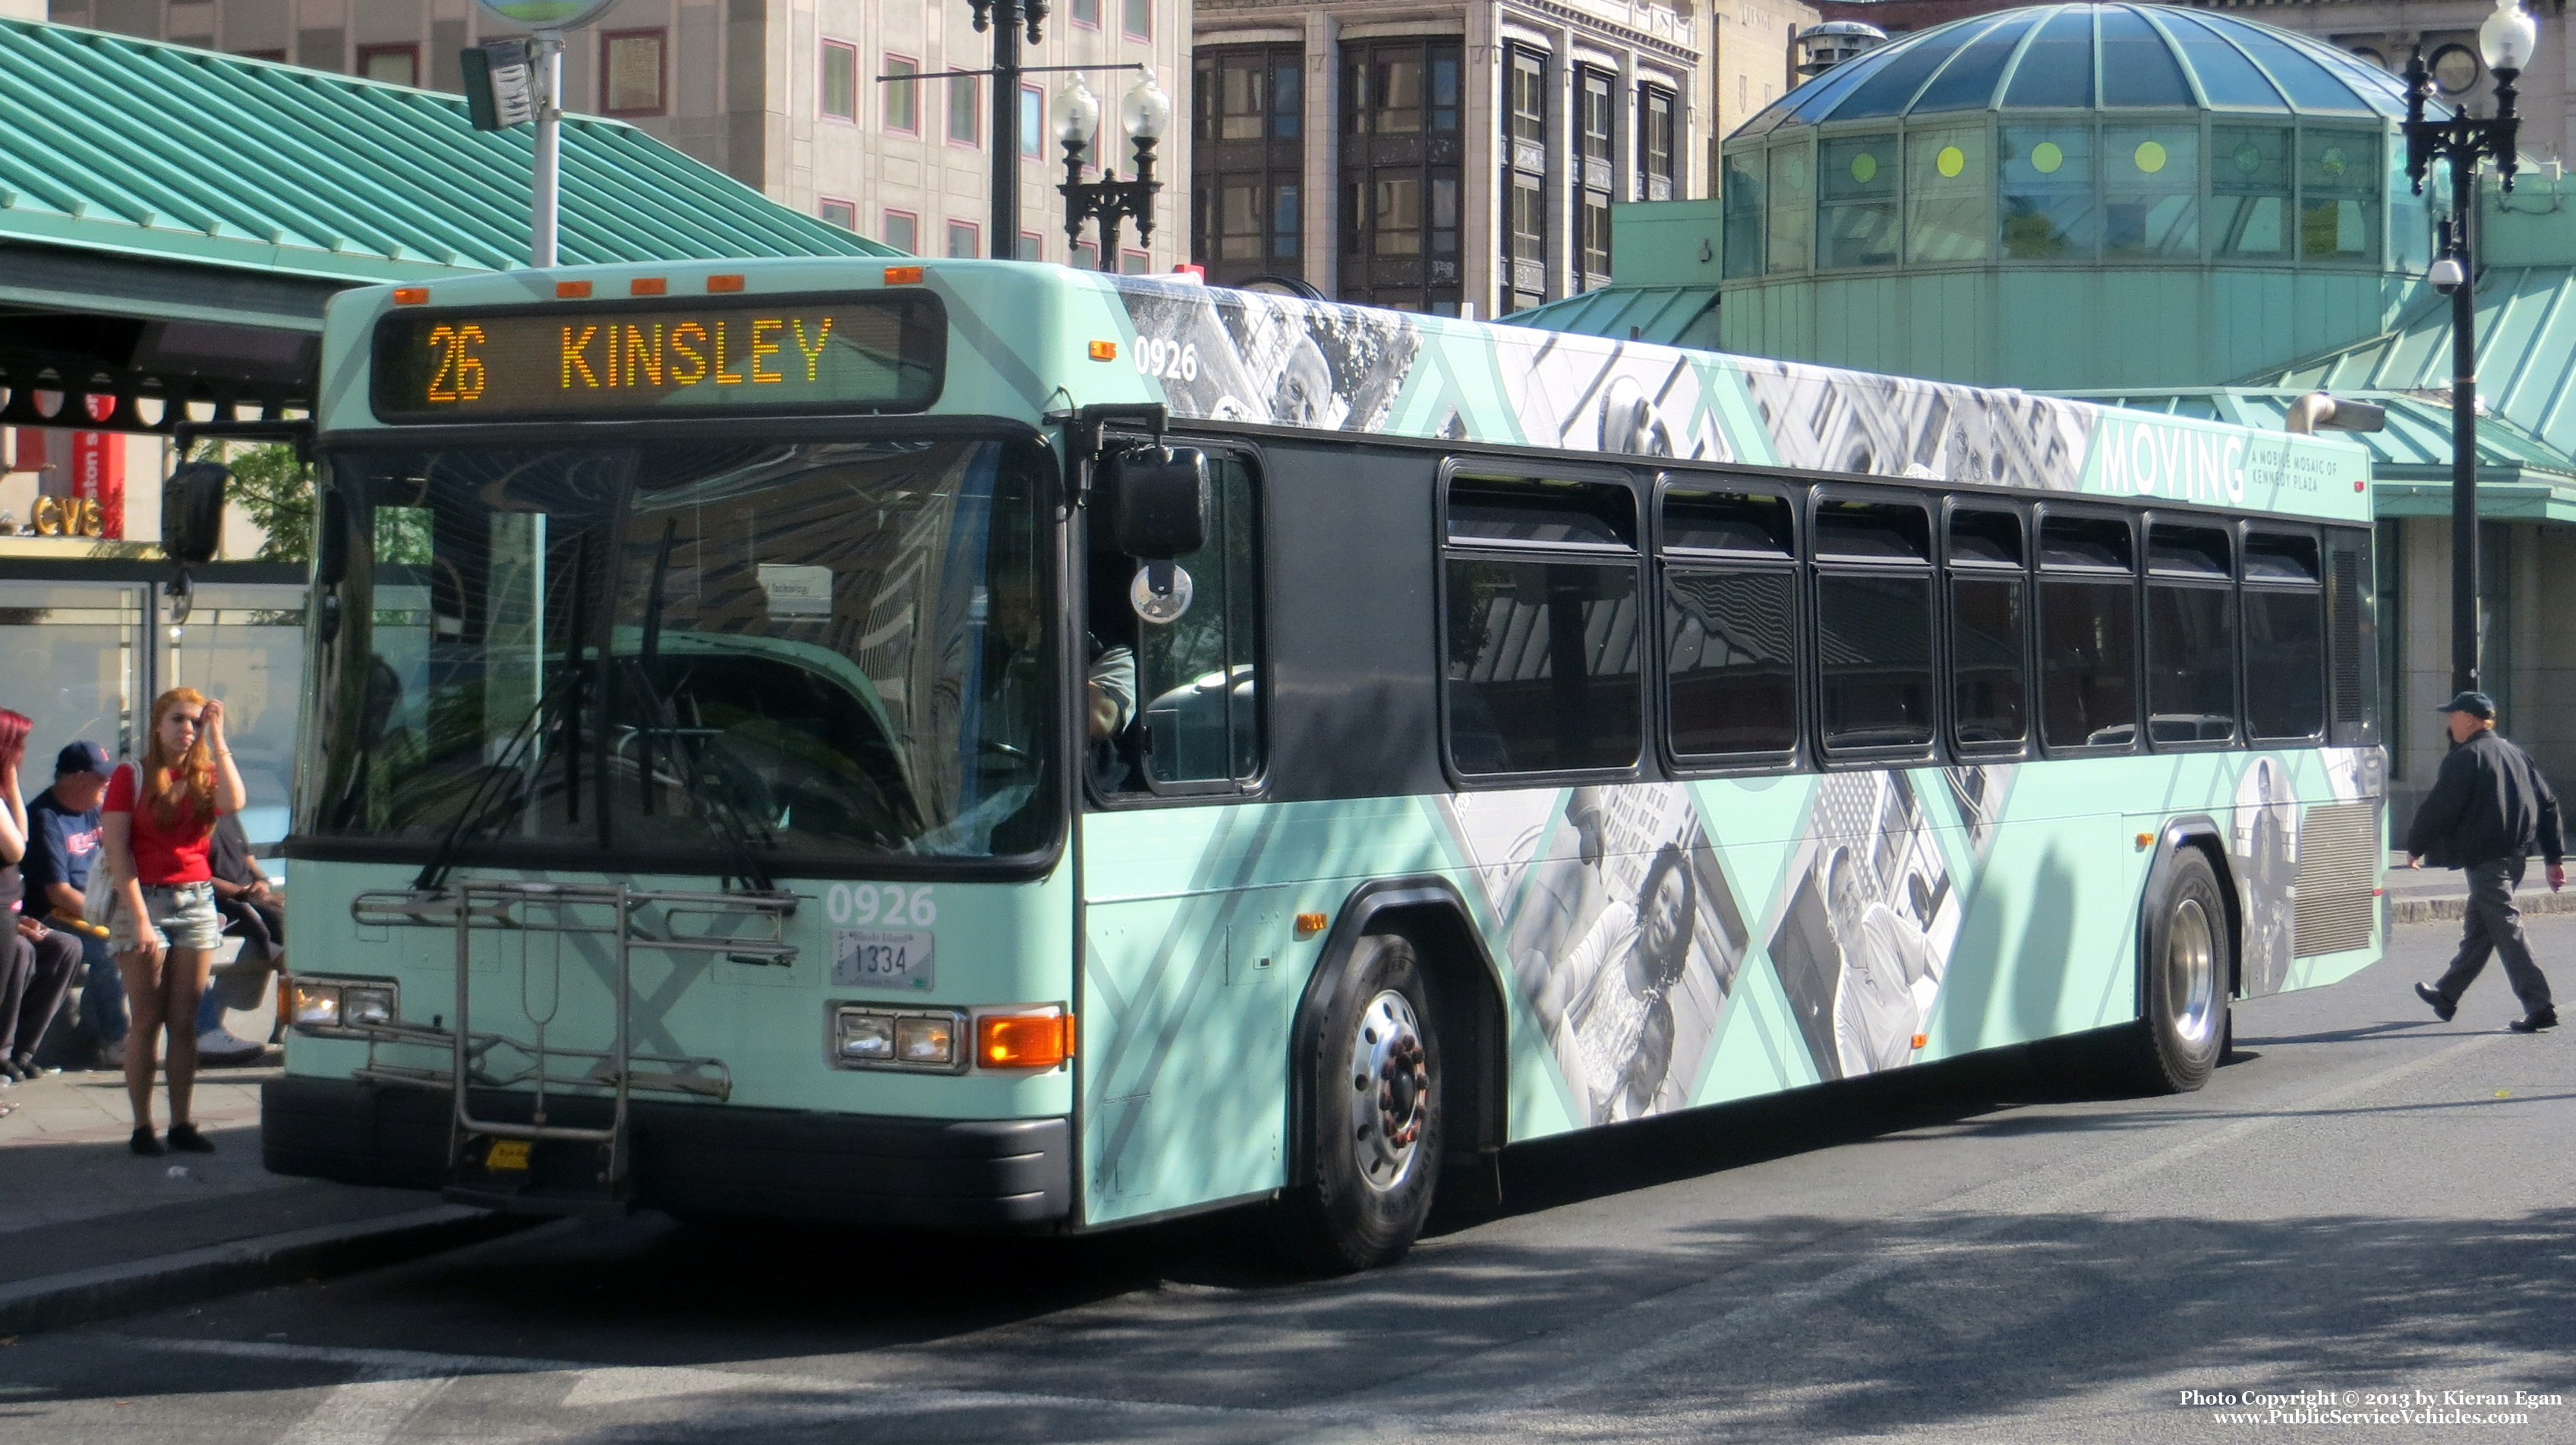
[1730, 625]
[1198, 725]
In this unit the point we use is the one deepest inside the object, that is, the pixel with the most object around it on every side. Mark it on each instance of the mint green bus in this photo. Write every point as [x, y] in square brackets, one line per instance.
[975, 745]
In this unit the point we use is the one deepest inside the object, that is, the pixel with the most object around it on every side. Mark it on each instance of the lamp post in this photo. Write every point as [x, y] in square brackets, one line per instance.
[1008, 18]
[1144, 112]
[2507, 40]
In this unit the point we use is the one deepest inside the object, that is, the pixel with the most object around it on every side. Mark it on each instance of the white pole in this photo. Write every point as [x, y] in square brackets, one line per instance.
[549, 167]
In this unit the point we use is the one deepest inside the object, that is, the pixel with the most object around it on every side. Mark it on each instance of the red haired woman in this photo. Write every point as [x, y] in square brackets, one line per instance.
[158, 832]
[36, 963]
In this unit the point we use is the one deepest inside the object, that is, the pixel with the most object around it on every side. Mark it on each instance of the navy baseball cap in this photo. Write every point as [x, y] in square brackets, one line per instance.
[2475, 704]
[81, 758]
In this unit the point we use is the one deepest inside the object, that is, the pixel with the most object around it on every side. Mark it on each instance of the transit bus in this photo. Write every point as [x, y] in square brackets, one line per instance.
[986, 745]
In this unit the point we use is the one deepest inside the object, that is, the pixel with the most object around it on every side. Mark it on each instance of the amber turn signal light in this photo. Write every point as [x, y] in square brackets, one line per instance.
[903, 275]
[411, 295]
[1104, 351]
[1310, 924]
[647, 286]
[1023, 1041]
[724, 283]
[571, 290]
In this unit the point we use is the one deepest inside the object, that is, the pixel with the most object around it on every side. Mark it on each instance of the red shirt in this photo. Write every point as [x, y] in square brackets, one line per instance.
[162, 855]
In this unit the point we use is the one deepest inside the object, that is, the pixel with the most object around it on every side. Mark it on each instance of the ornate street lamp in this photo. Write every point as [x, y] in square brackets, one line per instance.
[2508, 39]
[1145, 112]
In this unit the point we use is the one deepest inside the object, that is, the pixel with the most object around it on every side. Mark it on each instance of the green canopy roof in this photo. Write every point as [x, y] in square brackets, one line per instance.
[135, 147]
[1665, 315]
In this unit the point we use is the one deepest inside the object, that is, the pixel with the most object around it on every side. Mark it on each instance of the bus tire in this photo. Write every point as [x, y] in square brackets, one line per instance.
[1371, 1081]
[2183, 1025]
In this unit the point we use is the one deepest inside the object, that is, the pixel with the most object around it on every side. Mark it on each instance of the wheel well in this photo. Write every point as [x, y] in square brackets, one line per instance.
[2216, 853]
[1468, 1010]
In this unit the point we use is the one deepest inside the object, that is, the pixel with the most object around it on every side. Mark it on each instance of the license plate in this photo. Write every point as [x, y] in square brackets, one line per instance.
[507, 1154]
[883, 958]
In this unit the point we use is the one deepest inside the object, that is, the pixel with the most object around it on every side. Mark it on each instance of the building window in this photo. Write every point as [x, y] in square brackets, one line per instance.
[1656, 138]
[844, 214]
[902, 97]
[630, 72]
[1137, 19]
[1400, 179]
[840, 81]
[903, 232]
[1085, 256]
[1247, 154]
[1032, 246]
[393, 64]
[1134, 263]
[277, 55]
[964, 244]
[1525, 178]
[1033, 128]
[965, 109]
[1597, 114]
[1086, 13]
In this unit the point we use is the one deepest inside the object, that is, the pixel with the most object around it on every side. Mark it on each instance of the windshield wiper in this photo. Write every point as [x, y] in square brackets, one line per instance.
[730, 826]
[433, 874]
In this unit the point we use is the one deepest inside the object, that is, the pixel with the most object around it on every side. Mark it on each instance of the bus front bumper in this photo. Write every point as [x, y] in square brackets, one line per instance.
[705, 1159]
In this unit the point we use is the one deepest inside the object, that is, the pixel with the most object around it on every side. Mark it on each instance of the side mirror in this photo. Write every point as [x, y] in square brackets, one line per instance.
[1158, 502]
[192, 512]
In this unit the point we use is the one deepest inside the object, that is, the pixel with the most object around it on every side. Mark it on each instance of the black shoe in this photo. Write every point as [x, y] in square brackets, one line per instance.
[2533, 1023]
[186, 1139]
[2442, 1008]
[15, 1072]
[144, 1144]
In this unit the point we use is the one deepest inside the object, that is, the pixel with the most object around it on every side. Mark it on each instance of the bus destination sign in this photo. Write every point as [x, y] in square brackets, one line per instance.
[747, 356]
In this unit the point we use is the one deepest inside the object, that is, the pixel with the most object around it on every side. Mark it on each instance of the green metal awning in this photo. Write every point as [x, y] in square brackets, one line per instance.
[172, 219]
[1665, 315]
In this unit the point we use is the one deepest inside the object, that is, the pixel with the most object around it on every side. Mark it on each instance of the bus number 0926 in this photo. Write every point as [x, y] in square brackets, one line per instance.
[889, 903]
[1170, 360]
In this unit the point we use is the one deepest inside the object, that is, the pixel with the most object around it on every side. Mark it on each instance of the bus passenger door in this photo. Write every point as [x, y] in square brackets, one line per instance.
[1184, 1013]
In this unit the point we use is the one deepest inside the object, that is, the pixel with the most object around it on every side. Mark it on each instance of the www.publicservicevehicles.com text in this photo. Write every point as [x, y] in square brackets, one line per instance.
[2369, 1407]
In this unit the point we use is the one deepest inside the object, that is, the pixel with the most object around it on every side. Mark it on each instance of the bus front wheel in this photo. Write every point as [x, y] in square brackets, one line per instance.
[2189, 972]
[1372, 1117]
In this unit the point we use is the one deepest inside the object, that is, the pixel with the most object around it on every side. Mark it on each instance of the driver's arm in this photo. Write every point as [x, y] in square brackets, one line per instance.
[1109, 699]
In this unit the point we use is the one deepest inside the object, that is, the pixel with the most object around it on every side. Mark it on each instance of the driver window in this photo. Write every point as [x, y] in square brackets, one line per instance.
[1195, 724]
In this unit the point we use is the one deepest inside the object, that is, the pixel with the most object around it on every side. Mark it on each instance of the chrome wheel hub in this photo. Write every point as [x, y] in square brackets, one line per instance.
[2191, 972]
[1390, 1091]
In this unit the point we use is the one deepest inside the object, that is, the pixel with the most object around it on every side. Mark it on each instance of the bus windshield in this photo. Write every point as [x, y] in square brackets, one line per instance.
[679, 653]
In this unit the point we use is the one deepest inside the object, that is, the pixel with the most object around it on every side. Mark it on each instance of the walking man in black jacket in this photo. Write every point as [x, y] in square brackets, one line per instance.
[2489, 811]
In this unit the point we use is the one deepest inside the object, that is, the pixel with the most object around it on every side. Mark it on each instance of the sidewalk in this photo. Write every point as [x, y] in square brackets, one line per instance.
[89, 1229]
[2433, 895]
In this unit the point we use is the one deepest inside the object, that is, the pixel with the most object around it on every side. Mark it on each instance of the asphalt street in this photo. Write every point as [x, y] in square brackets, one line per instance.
[2363, 1204]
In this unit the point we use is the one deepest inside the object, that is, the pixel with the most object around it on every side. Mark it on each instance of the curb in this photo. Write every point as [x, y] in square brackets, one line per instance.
[57, 1301]
[2437, 910]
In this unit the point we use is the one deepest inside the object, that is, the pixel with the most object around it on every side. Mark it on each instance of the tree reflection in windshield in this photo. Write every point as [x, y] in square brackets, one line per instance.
[784, 649]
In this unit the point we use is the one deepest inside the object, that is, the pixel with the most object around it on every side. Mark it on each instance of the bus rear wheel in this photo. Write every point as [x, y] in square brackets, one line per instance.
[2189, 973]
[1372, 1117]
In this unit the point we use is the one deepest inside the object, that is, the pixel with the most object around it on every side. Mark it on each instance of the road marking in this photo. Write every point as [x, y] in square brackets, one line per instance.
[369, 1410]
[598, 1384]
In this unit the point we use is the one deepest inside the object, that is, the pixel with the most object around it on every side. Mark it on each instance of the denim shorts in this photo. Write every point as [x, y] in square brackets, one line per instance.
[183, 916]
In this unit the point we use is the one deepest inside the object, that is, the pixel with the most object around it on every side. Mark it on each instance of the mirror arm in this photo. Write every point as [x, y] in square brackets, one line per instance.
[299, 433]
[1083, 426]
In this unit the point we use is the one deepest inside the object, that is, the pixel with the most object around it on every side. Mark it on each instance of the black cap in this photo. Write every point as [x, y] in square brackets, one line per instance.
[2475, 704]
[81, 758]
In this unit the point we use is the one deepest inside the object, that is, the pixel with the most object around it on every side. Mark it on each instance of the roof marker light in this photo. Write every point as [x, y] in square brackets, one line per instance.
[571, 290]
[647, 286]
[411, 295]
[724, 283]
[903, 276]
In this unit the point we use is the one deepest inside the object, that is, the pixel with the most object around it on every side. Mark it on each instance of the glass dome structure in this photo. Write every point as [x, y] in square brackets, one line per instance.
[2122, 134]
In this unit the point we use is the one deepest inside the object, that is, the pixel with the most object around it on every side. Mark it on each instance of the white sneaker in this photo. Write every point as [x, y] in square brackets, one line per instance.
[217, 1048]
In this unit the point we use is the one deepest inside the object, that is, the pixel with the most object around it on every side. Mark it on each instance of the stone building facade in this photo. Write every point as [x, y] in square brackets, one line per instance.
[782, 95]
[1450, 157]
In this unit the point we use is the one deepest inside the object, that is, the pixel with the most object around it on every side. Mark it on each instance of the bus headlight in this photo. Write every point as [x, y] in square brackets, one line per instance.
[337, 1006]
[317, 1005]
[928, 1041]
